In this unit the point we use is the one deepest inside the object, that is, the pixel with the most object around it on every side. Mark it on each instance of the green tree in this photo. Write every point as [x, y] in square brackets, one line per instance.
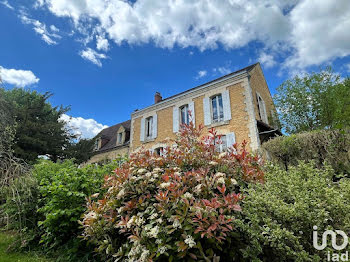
[80, 151]
[39, 130]
[319, 100]
[7, 126]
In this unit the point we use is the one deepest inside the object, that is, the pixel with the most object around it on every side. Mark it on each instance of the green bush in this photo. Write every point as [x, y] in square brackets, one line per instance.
[323, 146]
[279, 215]
[63, 189]
[47, 203]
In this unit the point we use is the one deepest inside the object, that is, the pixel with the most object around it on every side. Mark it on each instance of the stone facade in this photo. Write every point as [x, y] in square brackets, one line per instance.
[242, 87]
[109, 155]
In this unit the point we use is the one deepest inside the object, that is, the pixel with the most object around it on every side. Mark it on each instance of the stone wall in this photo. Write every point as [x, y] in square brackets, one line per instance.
[109, 155]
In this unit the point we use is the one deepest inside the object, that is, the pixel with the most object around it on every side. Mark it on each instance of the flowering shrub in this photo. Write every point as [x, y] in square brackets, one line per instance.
[181, 205]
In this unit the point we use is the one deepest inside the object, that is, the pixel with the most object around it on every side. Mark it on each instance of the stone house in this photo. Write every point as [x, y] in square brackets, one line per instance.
[238, 105]
[112, 142]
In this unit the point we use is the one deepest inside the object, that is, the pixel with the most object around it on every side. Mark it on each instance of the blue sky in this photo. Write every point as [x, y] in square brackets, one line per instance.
[108, 58]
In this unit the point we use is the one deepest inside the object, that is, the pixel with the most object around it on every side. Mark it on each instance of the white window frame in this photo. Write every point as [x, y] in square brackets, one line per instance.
[222, 147]
[220, 115]
[149, 127]
[119, 138]
[186, 120]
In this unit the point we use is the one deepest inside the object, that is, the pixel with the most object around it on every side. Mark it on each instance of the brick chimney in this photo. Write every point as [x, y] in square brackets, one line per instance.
[157, 98]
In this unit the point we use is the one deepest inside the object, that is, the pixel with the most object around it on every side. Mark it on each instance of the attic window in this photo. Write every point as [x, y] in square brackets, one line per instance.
[119, 138]
[97, 144]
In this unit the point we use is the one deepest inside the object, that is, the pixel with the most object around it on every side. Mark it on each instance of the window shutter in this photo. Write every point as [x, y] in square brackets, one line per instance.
[265, 114]
[155, 127]
[142, 130]
[226, 104]
[262, 109]
[191, 108]
[230, 139]
[206, 108]
[175, 119]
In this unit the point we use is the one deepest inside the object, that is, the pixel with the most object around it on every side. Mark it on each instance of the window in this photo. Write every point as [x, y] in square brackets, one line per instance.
[220, 144]
[97, 142]
[149, 122]
[119, 138]
[184, 115]
[159, 151]
[217, 108]
[262, 109]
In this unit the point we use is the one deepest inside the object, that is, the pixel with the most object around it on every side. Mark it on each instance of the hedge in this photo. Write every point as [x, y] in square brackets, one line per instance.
[330, 146]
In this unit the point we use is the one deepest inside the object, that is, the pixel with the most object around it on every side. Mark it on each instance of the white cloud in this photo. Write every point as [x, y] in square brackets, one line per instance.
[54, 28]
[267, 60]
[7, 4]
[20, 78]
[92, 56]
[41, 29]
[102, 43]
[312, 31]
[222, 70]
[85, 128]
[201, 73]
[320, 32]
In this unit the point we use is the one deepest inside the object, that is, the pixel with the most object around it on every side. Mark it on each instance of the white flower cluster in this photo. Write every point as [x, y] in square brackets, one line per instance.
[152, 231]
[164, 185]
[198, 189]
[188, 195]
[190, 241]
[153, 216]
[121, 194]
[233, 181]
[141, 171]
[138, 253]
[91, 215]
[220, 178]
[176, 224]
[162, 249]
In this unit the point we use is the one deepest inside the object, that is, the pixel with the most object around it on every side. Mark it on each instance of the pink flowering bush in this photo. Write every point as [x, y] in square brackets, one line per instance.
[178, 206]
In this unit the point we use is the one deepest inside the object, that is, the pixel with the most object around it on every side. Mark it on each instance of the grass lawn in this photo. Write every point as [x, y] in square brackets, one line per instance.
[6, 238]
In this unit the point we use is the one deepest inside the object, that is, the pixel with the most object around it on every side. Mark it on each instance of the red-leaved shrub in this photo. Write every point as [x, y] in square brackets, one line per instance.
[180, 205]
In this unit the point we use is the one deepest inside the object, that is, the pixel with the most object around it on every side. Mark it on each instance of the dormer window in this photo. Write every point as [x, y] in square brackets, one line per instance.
[217, 110]
[149, 124]
[119, 138]
[184, 115]
[97, 144]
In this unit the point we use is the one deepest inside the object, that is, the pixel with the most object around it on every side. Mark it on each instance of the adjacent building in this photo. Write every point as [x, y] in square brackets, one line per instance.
[112, 142]
[238, 105]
